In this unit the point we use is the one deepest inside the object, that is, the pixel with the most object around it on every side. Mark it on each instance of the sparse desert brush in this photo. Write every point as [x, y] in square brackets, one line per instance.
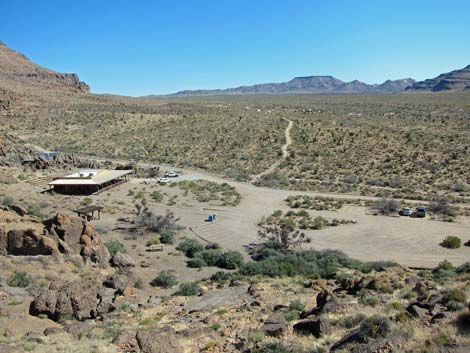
[451, 242]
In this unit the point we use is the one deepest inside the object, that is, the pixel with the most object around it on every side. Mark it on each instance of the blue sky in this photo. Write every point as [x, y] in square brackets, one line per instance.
[156, 47]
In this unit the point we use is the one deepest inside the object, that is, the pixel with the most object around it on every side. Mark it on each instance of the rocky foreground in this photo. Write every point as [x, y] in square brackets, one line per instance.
[62, 291]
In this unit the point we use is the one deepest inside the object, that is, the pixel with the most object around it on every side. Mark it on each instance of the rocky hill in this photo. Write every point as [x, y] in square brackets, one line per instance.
[457, 80]
[23, 82]
[308, 84]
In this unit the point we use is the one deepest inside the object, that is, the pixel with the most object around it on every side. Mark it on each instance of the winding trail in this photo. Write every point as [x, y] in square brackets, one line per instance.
[284, 148]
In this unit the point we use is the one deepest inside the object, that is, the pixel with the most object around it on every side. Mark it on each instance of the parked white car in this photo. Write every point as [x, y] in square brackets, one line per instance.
[172, 174]
[164, 180]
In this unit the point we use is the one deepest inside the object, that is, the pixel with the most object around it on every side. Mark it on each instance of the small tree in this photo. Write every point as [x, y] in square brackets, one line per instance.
[283, 237]
[387, 206]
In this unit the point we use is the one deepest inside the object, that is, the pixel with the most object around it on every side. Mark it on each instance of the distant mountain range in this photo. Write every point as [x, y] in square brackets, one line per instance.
[458, 80]
[308, 84]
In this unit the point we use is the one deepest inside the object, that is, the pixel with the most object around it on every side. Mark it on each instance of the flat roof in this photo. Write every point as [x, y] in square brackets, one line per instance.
[90, 177]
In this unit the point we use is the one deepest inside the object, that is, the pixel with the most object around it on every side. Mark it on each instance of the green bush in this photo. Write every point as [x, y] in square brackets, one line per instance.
[190, 247]
[377, 266]
[157, 196]
[189, 289]
[221, 277]
[115, 246]
[352, 320]
[311, 263]
[296, 305]
[8, 201]
[35, 211]
[165, 279]
[454, 295]
[451, 242]
[374, 327]
[196, 262]
[167, 237]
[19, 279]
[230, 260]
[464, 268]
[210, 257]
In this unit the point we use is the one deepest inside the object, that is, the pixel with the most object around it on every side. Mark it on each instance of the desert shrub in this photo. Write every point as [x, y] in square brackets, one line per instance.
[230, 260]
[153, 222]
[196, 262]
[368, 299]
[210, 246]
[210, 257]
[167, 237]
[443, 207]
[463, 323]
[271, 263]
[19, 279]
[374, 327]
[190, 247]
[189, 289]
[35, 211]
[464, 268]
[221, 277]
[273, 180]
[86, 201]
[115, 246]
[454, 295]
[296, 305]
[139, 284]
[451, 242]
[377, 266]
[165, 279]
[284, 347]
[8, 201]
[444, 271]
[156, 196]
[387, 206]
[290, 315]
[352, 321]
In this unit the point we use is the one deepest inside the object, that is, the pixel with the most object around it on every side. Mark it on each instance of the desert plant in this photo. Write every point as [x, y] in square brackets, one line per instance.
[230, 260]
[387, 206]
[189, 289]
[190, 247]
[157, 196]
[167, 237]
[282, 237]
[115, 246]
[451, 242]
[374, 327]
[165, 279]
[8, 201]
[19, 279]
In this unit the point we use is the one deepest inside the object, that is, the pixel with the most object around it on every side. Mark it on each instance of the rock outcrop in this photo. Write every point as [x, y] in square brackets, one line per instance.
[80, 299]
[80, 235]
[29, 242]
[158, 341]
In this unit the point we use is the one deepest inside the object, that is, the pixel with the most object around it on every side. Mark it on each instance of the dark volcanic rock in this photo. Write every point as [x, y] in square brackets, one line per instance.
[275, 325]
[29, 242]
[75, 299]
[158, 341]
[317, 327]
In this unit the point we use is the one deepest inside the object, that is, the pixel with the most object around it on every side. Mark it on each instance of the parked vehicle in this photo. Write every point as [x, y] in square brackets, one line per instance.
[164, 180]
[172, 174]
[419, 212]
[405, 211]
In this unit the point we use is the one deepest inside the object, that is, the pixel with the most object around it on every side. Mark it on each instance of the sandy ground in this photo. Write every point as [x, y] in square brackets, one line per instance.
[411, 242]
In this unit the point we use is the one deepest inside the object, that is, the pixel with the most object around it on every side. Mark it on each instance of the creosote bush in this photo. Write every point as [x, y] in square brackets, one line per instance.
[165, 279]
[189, 289]
[190, 247]
[451, 242]
[374, 327]
[115, 246]
[19, 279]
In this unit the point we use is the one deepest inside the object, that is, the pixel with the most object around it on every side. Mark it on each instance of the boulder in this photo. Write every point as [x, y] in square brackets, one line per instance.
[126, 342]
[121, 260]
[416, 311]
[121, 280]
[19, 210]
[275, 325]
[158, 341]
[30, 242]
[80, 236]
[77, 299]
[317, 327]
